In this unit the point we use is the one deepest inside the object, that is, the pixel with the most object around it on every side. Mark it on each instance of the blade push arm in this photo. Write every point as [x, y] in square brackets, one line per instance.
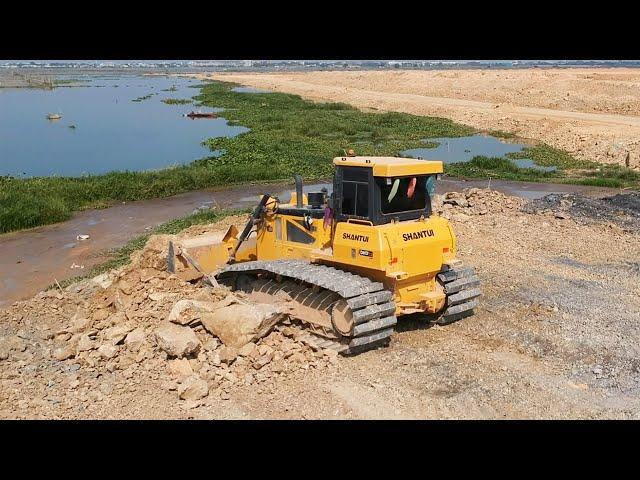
[255, 215]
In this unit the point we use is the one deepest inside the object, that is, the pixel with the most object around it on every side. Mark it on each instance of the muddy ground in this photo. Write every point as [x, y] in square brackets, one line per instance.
[555, 336]
[593, 114]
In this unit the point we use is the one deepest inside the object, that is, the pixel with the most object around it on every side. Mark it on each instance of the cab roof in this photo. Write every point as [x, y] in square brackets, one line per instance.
[392, 166]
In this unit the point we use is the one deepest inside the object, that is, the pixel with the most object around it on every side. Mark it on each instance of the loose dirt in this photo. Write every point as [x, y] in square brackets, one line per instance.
[555, 336]
[592, 113]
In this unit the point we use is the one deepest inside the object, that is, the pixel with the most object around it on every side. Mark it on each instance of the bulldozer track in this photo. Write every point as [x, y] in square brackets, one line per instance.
[371, 306]
[462, 287]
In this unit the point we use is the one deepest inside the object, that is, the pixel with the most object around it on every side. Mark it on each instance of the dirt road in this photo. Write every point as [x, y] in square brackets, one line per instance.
[592, 113]
[555, 336]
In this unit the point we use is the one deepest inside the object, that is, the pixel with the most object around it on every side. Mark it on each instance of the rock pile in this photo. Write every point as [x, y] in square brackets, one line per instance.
[459, 206]
[217, 368]
[621, 210]
[202, 341]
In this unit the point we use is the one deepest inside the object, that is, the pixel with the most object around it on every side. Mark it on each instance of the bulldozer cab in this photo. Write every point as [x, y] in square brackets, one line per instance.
[383, 189]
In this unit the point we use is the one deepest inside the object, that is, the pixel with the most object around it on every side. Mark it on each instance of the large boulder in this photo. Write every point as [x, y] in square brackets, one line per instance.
[239, 323]
[65, 352]
[108, 351]
[136, 336]
[8, 344]
[187, 311]
[177, 341]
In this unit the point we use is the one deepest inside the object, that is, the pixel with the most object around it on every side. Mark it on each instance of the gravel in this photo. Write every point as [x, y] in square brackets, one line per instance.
[622, 210]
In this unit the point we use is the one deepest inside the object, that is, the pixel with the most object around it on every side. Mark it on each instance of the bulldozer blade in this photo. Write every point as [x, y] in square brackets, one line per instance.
[202, 255]
[232, 234]
[182, 254]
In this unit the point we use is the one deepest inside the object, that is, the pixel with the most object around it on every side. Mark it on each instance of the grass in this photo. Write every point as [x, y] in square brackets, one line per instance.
[500, 134]
[288, 136]
[122, 256]
[176, 101]
[142, 99]
[72, 82]
[485, 167]
[170, 89]
[568, 169]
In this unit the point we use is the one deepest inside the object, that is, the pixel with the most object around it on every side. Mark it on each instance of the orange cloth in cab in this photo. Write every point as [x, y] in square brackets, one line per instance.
[412, 187]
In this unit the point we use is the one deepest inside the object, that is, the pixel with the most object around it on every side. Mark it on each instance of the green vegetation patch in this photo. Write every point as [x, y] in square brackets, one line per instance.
[71, 82]
[293, 136]
[494, 167]
[142, 99]
[568, 169]
[176, 101]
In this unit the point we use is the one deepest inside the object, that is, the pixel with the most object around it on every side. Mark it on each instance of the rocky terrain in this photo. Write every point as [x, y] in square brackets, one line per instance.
[622, 210]
[84, 348]
[594, 114]
[555, 335]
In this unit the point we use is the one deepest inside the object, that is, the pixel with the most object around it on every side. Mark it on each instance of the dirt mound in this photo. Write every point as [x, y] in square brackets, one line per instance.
[459, 206]
[622, 210]
[140, 319]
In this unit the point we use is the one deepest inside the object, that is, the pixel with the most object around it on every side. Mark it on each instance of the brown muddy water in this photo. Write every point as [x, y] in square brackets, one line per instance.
[34, 259]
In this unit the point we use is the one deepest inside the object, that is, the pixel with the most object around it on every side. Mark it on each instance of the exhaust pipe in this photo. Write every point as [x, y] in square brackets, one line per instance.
[298, 179]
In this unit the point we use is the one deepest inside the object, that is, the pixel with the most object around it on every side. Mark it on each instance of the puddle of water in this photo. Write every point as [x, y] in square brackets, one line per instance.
[463, 149]
[249, 90]
[112, 132]
[528, 163]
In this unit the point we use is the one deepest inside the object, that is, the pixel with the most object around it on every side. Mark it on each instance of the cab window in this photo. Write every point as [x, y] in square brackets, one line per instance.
[295, 234]
[355, 192]
[403, 194]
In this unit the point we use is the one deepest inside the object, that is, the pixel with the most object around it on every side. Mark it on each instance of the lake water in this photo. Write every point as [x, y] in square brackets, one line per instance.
[112, 132]
[463, 149]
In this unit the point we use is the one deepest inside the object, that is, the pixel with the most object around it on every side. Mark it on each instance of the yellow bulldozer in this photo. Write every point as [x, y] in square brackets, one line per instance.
[347, 263]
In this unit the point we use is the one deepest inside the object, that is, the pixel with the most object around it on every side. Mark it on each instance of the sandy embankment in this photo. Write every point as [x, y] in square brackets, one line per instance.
[592, 113]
